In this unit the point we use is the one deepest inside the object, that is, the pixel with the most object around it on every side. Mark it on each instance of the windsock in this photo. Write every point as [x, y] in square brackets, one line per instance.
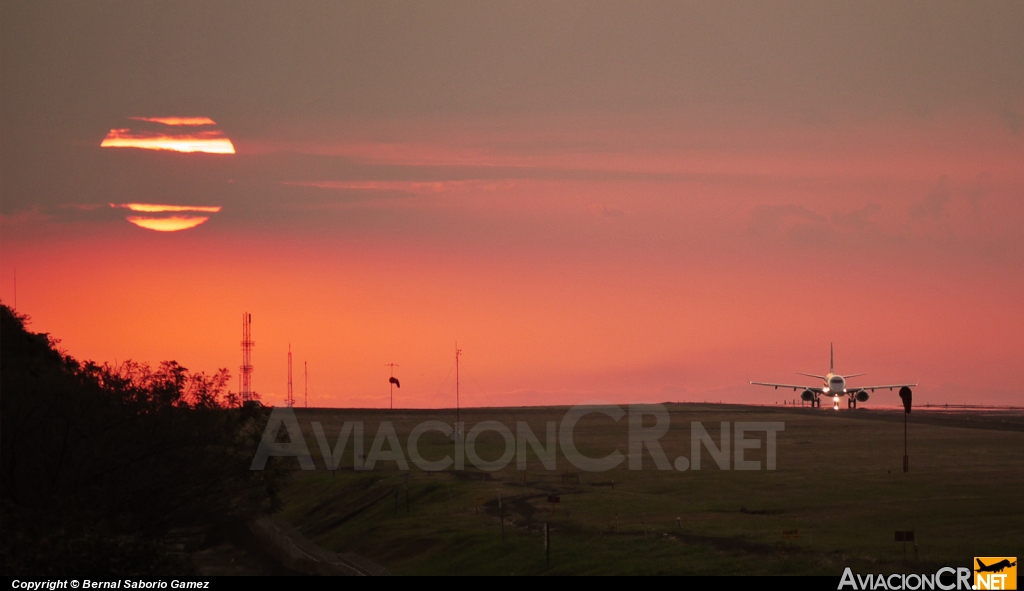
[906, 395]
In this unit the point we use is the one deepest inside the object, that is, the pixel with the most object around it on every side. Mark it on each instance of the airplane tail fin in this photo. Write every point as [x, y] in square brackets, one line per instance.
[981, 564]
[831, 359]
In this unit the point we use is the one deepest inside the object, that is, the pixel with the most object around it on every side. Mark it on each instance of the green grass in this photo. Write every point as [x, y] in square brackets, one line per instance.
[839, 481]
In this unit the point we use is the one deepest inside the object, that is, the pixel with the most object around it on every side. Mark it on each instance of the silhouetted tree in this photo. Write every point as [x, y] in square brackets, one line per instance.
[98, 463]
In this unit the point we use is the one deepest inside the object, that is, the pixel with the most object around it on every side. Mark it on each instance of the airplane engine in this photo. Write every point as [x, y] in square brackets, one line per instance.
[807, 395]
[862, 396]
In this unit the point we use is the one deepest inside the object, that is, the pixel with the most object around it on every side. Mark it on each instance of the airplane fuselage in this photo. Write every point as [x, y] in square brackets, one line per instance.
[835, 384]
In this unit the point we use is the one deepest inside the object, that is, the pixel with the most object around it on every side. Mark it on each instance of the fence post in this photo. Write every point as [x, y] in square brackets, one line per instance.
[547, 546]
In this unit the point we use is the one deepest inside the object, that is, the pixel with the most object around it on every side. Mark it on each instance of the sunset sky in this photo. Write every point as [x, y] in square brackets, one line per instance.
[628, 201]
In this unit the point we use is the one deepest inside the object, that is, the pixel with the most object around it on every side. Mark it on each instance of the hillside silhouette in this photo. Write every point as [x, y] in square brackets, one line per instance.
[100, 464]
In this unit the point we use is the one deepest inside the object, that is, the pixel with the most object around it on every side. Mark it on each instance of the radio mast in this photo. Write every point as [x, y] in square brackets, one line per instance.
[246, 369]
[290, 401]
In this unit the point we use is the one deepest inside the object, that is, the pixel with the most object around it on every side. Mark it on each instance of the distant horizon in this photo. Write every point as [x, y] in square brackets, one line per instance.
[756, 396]
[924, 406]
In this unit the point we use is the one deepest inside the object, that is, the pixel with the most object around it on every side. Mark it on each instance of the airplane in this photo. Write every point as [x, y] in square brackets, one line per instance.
[994, 568]
[835, 385]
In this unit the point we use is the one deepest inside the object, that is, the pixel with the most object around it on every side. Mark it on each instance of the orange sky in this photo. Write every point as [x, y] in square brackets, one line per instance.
[656, 284]
[614, 213]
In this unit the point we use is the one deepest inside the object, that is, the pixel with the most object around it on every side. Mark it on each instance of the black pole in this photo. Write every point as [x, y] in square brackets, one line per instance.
[547, 546]
[906, 458]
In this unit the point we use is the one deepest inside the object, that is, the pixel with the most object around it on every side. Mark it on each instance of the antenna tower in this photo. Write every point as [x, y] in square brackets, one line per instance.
[247, 394]
[305, 384]
[290, 401]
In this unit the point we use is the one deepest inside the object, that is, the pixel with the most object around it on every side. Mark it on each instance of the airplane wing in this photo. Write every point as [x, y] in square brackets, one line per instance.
[792, 386]
[873, 388]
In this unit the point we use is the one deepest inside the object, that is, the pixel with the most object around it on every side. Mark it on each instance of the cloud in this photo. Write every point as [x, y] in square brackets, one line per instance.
[419, 187]
[177, 120]
[156, 208]
[83, 206]
[25, 217]
[1014, 121]
[801, 224]
[934, 203]
[607, 211]
[771, 219]
[189, 134]
[858, 219]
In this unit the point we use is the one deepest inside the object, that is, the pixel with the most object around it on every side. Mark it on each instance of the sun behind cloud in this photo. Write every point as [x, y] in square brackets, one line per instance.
[166, 223]
[173, 223]
[177, 120]
[176, 134]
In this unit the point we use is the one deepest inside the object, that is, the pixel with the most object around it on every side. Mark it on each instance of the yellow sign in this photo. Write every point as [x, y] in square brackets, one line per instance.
[790, 534]
[995, 572]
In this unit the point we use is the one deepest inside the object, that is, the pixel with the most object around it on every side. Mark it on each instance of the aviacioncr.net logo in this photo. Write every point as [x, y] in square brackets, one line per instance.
[728, 452]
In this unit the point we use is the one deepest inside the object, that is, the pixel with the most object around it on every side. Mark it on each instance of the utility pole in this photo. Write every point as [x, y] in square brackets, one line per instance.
[456, 434]
[391, 382]
[305, 384]
[458, 352]
[906, 458]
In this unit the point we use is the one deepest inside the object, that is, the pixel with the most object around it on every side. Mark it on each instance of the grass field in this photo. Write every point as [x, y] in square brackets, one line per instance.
[839, 482]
